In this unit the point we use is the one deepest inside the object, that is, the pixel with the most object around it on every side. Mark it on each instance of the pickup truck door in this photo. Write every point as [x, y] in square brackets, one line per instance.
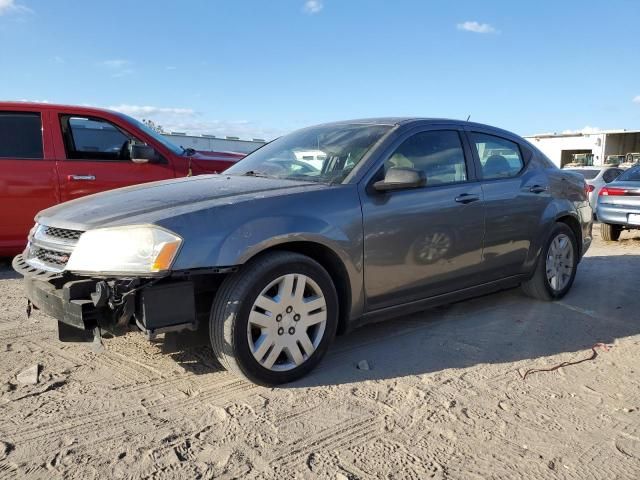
[28, 181]
[425, 241]
[93, 157]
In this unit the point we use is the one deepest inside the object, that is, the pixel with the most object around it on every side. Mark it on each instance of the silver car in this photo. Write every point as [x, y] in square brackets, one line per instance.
[596, 178]
[267, 261]
[619, 205]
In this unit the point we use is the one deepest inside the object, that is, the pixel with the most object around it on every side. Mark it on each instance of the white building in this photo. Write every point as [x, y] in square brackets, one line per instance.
[560, 147]
[211, 143]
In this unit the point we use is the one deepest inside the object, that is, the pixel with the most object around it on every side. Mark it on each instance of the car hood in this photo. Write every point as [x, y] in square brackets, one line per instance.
[150, 202]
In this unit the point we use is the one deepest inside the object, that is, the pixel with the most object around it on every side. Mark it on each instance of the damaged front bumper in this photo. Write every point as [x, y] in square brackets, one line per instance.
[84, 307]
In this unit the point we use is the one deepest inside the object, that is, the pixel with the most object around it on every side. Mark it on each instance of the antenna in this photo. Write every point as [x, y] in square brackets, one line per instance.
[468, 117]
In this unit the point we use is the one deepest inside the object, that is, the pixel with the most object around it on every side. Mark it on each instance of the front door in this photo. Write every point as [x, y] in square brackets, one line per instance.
[28, 180]
[95, 157]
[424, 241]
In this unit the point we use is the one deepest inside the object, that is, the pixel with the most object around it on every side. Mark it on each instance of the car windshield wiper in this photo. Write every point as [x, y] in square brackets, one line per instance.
[253, 173]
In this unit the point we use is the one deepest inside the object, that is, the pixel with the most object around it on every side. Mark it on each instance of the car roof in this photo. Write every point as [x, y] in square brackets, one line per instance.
[55, 106]
[422, 121]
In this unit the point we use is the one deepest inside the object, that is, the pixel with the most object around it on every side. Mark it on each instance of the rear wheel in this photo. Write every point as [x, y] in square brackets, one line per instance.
[556, 267]
[610, 232]
[272, 321]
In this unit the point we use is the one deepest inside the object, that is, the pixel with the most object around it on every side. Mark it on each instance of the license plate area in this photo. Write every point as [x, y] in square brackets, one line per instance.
[634, 219]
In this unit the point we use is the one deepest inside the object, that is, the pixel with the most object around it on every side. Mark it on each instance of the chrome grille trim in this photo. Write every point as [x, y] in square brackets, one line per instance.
[62, 233]
[50, 247]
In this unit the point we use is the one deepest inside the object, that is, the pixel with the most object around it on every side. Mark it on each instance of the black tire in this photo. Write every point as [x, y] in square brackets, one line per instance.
[233, 304]
[538, 285]
[610, 233]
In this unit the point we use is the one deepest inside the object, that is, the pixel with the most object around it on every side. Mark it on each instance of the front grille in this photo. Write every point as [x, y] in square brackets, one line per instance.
[49, 257]
[62, 233]
[50, 247]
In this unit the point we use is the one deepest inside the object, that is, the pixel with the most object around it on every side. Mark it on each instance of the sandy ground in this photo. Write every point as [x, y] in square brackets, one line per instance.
[443, 398]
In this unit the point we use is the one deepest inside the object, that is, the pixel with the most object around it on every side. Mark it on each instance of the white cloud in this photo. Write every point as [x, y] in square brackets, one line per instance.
[171, 67]
[191, 122]
[313, 6]
[137, 110]
[10, 6]
[117, 63]
[476, 27]
[118, 67]
[636, 99]
[585, 130]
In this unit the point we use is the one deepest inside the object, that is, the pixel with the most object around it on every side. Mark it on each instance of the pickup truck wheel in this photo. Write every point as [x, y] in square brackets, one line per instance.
[556, 267]
[610, 232]
[273, 320]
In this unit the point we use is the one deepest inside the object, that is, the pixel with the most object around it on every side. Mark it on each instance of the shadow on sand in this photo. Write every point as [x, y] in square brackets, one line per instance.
[6, 272]
[505, 327]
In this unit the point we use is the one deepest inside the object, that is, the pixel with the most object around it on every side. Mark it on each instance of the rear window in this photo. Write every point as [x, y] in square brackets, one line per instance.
[631, 175]
[20, 135]
[587, 174]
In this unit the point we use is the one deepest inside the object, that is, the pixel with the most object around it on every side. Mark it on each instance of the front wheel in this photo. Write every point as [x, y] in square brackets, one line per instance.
[273, 320]
[610, 232]
[556, 267]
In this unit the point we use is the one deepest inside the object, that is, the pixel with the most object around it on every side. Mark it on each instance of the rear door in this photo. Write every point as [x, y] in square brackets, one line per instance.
[93, 157]
[425, 241]
[515, 194]
[28, 180]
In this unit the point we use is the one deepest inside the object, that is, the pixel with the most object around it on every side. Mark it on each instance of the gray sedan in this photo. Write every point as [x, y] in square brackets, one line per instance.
[619, 205]
[269, 260]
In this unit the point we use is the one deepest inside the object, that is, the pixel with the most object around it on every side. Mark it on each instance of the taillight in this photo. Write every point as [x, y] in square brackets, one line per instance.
[613, 192]
[589, 188]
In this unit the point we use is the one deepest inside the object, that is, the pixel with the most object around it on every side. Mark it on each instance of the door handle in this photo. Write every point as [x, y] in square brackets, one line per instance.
[538, 189]
[467, 198]
[79, 178]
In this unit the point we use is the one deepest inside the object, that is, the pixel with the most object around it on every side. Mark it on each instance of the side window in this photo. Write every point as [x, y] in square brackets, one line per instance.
[499, 157]
[610, 175]
[20, 135]
[437, 153]
[93, 139]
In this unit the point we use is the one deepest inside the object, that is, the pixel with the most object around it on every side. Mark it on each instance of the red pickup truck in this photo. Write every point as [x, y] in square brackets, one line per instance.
[55, 153]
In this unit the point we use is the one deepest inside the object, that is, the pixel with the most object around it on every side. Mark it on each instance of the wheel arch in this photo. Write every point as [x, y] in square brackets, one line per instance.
[574, 224]
[332, 263]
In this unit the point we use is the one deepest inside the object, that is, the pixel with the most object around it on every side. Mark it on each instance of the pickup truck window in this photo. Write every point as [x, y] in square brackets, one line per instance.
[93, 139]
[153, 134]
[20, 135]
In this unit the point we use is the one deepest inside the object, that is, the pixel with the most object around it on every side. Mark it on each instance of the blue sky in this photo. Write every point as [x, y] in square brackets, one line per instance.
[263, 67]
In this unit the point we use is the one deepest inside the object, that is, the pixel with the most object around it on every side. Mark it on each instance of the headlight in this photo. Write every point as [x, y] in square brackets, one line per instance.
[136, 249]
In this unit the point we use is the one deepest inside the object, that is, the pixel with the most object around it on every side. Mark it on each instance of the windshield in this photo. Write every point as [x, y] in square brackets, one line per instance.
[320, 154]
[631, 175]
[587, 174]
[152, 133]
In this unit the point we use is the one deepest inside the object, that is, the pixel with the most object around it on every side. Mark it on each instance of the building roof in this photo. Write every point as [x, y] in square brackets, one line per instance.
[581, 134]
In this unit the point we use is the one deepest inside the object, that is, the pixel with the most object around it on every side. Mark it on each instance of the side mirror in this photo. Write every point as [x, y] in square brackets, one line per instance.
[140, 153]
[400, 178]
